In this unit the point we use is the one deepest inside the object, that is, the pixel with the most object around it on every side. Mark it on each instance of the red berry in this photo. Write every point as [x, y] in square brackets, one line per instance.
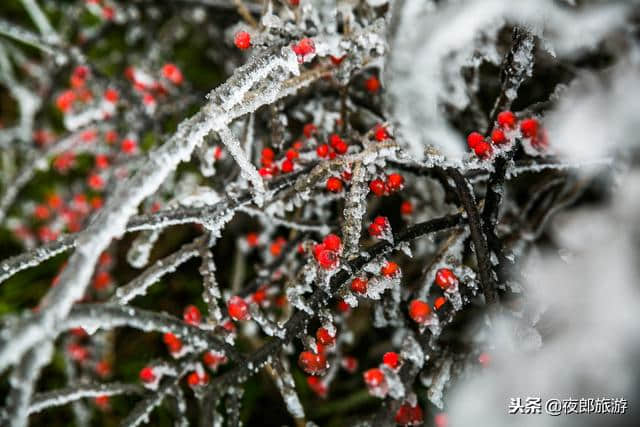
[334, 140]
[309, 129]
[378, 226]
[194, 379]
[103, 368]
[322, 150]
[498, 137]
[318, 386]
[268, 153]
[373, 377]
[359, 285]
[147, 375]
[506, 119]
[192, 315]
[102, 401]
[111, 95]
[78, 352]
[529, 128]
[312, 363]
[324, 337]
[172, 73]
[341, 147]
[343, 307]
[102, 161]
[372, 84]
[474, 139]
[327, 259]
[334, 184]
[65, 100]
[332, 242]
[390, 269]
[102, 280]
[391, 359]
[419, 311]
[260, 295]
[377, 187]
[238, 308]
[483, 149]
[41, 212]
[380, 133]
[439, 302]
[95, 181]
[287, 166]
[445, 278]
[174, 344]
[292, 154]
[409, 415]
[406, 208]
[395, 182]
[128, 146]
[304, 47]
[242, 40]
[349, 363]
[252, 239]
[213, 359]
[441, 420]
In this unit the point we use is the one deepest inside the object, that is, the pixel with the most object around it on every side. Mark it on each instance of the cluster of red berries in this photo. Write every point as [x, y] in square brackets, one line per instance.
[336, 146]
[507, 122]
[419, 310]
[269, 166]
[379, 226]
[392, 183]
[327, 253]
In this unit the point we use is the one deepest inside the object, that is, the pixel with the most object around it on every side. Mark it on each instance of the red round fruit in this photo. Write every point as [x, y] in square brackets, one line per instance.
[506, 119]
[334, 184]
[395, 182]
[445, 278]
[377, 187]
[192, 315]
[391, 359]
[287, 166]
[359, 285]
[406, 208]
[147, 375]
[483, 149]
[332, 242]
[529, 128]
[312, 363]
[324, 337]
[474, 139]
[409, 415]
[380, 133]
[419, 311]
[373, 377]
[327, 259]
[390, 269]
[439, 302]
[238, 308]
[242, 40]
[372, 84]
[498, 137]
[322, 150]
